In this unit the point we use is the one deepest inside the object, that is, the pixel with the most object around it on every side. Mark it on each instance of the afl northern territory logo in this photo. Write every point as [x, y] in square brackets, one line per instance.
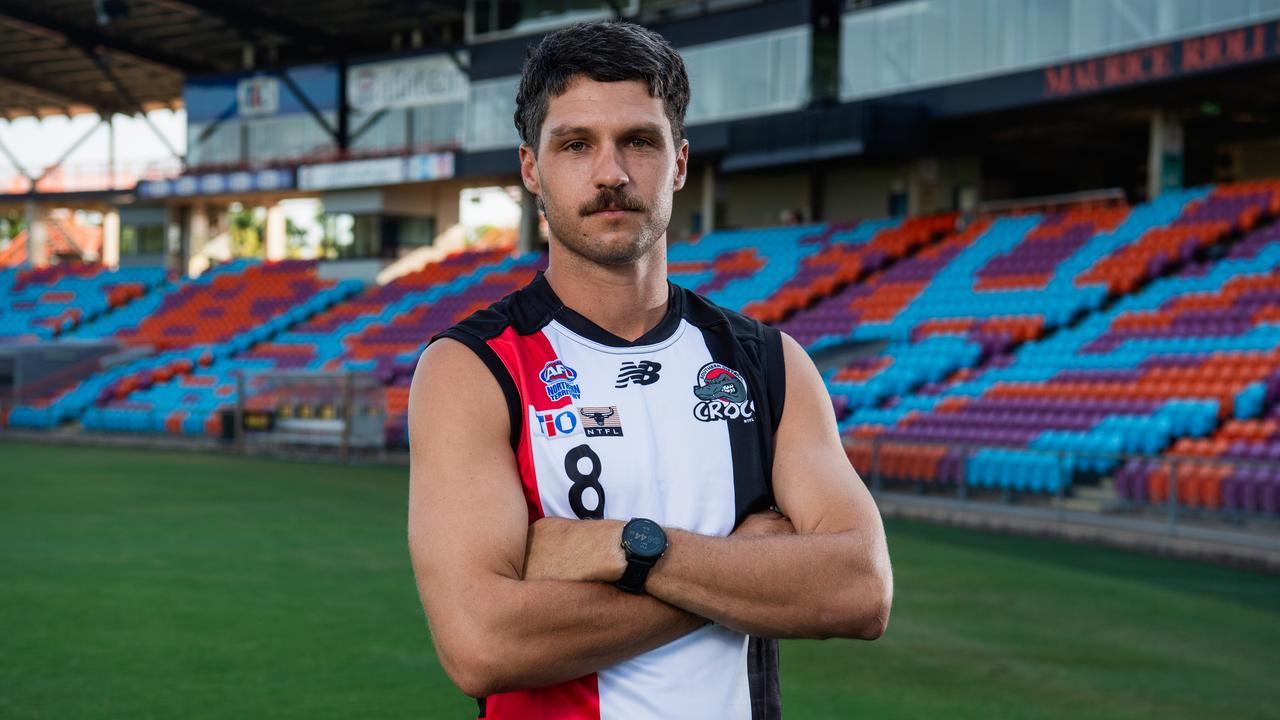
[559, 378]
[722, 395]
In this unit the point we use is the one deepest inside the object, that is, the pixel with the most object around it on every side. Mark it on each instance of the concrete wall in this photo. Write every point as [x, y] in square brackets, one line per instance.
[759, 199]
[855, 192]
[859, 191]
[1256, 160]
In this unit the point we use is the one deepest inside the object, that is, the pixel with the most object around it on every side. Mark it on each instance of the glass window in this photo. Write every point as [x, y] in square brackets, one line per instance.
[1089, 27]
[493, 105]
[858, 50]
[441, 125]
[790, 60]
[1219, 12]
[1049, 20]
[747, 76]
[899, 32]
[386, 133]
[935, 41]
[1268, 7]
[141, 239]
[971, 34]
[906, 45]
[222, 147]
[1008, 33]
[497, 18]
[1179, 16]
[289, 136]
[1133, 22]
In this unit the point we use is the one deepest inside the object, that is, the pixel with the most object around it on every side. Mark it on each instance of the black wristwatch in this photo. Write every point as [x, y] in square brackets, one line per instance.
[644, 542]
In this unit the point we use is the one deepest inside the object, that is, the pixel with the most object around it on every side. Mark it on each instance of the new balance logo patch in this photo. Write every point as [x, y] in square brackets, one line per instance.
[644, 372]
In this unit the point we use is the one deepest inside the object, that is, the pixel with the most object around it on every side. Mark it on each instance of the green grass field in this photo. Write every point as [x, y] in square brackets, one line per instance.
[158, 585]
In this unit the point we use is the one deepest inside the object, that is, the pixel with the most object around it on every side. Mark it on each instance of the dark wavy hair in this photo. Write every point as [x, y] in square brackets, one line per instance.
[611, 51]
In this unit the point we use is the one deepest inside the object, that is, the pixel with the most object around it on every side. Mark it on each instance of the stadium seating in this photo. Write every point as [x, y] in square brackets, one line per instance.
[45, 303]
[846, 253]
[252, 304]
[380, 330]
[200, 324]
[1019, 353]
[1159, 367]
[770, 273]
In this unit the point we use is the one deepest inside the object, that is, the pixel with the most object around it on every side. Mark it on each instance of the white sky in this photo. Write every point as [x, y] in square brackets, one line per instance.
[37, 143]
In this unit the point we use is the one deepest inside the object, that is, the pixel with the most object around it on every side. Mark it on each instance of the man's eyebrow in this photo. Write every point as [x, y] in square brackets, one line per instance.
[570, 130]
[644, 129]
[641, 129]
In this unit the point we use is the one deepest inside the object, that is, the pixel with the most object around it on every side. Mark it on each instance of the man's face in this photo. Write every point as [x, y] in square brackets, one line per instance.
[605, 170]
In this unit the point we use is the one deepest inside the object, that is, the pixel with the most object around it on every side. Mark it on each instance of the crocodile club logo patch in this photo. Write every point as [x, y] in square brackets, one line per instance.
[722, 395]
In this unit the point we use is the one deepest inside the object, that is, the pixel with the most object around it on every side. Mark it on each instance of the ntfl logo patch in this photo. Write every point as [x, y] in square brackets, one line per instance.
[722, 395]
[601, 421]
[559, 378]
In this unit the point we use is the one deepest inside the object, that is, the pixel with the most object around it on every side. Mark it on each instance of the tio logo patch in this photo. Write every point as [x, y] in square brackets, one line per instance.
[644, 372]
[559, 378]
[722, 395]
[601, 421]
[557, 423]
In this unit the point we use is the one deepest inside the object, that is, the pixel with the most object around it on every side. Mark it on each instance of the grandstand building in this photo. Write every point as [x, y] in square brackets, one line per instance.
[1032, 243]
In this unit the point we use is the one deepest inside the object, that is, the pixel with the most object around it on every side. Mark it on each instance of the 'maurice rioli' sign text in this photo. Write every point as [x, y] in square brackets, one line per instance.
[1183, 57]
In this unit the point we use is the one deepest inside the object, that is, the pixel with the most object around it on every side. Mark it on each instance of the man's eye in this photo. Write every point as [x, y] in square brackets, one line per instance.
[639, 142]
[576, 146]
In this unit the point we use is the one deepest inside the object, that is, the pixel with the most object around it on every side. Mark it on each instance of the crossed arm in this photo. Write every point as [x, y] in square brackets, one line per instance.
[514, 606]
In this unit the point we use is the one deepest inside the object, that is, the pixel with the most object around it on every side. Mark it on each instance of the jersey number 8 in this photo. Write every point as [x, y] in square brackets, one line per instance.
[582, 481]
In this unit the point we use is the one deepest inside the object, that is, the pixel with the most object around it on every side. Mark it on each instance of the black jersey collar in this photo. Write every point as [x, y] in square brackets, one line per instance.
[580, 325]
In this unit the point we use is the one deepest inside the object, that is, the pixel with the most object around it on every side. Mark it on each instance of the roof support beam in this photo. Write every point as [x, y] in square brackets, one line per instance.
[251, 23]
[67, 153]
[57, 93]
[84, 37]
[132, 101]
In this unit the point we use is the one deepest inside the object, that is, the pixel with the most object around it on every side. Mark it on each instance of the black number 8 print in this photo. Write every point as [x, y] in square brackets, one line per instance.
[582, 481]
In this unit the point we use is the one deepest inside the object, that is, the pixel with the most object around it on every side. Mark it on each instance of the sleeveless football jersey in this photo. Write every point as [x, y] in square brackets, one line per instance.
[676, 426]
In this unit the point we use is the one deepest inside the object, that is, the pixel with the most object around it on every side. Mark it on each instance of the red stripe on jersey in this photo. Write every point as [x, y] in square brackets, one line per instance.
[524, 357]
[573, 700]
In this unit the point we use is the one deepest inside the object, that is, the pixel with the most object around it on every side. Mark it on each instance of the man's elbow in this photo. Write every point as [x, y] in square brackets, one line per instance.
[866, 607]
[475, 671]
[876, 620]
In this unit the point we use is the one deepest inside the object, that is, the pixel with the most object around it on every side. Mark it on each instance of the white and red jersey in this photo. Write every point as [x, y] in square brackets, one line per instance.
[678, 427]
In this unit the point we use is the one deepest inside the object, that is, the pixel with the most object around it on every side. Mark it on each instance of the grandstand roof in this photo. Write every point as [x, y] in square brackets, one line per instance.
[69, 57]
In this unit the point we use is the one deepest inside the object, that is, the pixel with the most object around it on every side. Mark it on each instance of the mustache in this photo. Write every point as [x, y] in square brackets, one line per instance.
[612, 199]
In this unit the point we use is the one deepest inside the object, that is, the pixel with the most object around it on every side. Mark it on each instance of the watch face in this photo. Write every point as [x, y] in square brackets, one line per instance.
[644, 538]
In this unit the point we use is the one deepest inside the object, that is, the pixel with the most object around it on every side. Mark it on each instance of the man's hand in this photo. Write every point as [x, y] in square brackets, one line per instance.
[763, 524]
[579, 550]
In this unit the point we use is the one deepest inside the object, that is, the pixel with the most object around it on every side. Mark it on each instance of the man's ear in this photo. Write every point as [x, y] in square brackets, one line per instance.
[529, 169]
[682, 164]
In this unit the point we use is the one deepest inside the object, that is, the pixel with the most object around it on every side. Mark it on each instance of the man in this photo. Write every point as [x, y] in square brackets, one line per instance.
[601, 406]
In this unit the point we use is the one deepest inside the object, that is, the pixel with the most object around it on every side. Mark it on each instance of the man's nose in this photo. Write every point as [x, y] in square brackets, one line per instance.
[610, 171]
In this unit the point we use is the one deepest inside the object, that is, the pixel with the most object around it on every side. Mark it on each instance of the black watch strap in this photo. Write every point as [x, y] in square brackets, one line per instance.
[633, 578]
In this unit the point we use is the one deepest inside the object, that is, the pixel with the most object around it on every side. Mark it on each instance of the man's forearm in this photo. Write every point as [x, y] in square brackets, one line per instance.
[541, 632]
[815, 585]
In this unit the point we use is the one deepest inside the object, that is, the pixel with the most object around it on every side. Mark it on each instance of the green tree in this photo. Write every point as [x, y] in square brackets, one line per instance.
[246, 232]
